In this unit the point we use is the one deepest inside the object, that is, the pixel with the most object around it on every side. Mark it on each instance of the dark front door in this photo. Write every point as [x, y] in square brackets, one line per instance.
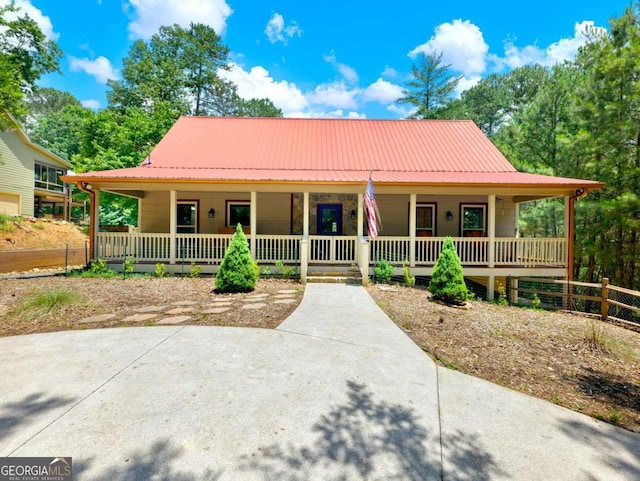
[330, 219]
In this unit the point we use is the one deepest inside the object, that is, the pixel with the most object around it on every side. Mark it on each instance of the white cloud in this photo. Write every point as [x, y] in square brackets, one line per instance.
[465, 83]
[91, 104]
[100, 68]
[334, 94]
[382, 91]
[149, 15]
[555, 53]
[257, 83]
[401, 111]
[389, 72]
[277, 31]
[25, 7]
[462, 46]
[332, 114]
[348, 73]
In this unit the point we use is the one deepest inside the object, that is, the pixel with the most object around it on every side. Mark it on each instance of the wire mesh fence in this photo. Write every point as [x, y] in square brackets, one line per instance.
[608, 301]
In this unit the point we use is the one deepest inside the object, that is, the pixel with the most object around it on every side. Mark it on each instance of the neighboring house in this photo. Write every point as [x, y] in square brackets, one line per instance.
[31, 178]
[297, 186]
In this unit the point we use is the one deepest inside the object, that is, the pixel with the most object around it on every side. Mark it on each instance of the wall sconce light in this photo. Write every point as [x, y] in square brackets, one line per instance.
[353, 214]
[212, 213]
[449, 215]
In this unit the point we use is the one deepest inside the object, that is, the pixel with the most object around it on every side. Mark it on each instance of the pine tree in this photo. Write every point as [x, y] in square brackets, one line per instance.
[447, 281]
[237, 272]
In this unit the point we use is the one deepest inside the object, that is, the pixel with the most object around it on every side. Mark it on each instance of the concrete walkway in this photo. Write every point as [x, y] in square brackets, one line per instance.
[337, 392]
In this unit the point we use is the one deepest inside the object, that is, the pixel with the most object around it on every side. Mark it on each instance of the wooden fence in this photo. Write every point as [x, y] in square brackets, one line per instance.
[609, 301]
[20, 261]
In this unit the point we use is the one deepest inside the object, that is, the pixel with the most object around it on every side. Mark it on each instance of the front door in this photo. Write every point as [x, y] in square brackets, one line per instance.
[330, 219]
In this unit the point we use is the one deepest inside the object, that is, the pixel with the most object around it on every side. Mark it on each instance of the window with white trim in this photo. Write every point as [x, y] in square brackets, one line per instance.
[238, 212]
[187, 211]
[473, 220]
[48, 178]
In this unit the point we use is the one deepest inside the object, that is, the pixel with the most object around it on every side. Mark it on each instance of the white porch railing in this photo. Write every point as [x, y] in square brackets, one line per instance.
[210, 248]
[333, 249]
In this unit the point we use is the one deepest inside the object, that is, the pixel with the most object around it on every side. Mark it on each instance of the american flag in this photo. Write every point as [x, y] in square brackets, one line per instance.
[371, 209]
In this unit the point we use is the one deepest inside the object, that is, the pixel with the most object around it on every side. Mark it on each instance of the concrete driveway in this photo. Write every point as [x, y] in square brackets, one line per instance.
[337, 392]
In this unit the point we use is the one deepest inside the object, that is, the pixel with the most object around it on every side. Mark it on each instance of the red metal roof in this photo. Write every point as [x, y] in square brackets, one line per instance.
[329, 150]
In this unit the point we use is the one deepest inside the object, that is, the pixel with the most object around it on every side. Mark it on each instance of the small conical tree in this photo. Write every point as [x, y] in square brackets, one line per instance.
[447, 281]
[237, 272]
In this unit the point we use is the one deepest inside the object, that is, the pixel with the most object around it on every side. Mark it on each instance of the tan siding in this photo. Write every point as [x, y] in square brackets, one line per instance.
[274, 213]
[16, 170]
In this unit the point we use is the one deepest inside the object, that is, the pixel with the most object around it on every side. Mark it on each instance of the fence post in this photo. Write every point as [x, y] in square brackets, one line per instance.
[514, 291]
[604, 305]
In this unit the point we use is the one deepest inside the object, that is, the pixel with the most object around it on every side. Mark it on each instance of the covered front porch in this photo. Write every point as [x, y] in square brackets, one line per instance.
[327, 227]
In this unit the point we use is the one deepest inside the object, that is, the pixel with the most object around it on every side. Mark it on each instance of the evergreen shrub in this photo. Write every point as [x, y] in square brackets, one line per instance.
[237, 271]
[447, 281]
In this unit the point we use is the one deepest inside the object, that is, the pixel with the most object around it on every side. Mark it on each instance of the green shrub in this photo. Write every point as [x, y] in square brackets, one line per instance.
[286, 271]
[161, 270]
[237, 272]
[383, 271]
[196, 270]
[97, 268]
[127, 265]
[7, 223]
[265, 271]
[447, 281]
[409, 280]
[501, 300]
[39, 226]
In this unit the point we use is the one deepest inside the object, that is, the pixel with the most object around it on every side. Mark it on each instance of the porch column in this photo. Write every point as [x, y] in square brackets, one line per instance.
[491, 227]
[568, 228]
[412, 230]
[305, 214]
[139, 215]
[173, 225]
[517, 219]
[253, 222]
[95, 218]
[360, 215]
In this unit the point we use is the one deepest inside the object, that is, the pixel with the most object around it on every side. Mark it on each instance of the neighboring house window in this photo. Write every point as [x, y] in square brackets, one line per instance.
[187, 217]
[48, 178]
[425, 220]
[473, 220]
[238, 212]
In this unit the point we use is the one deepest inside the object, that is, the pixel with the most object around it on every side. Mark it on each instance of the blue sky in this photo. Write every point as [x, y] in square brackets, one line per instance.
[322, 59]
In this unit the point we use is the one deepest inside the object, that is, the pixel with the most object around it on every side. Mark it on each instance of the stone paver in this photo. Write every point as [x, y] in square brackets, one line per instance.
[180, 310]
[100, 318]
[257, 305]
[284, 301]
[216, 310]
[248, 300]
[220, 304]
[287, 291]
[140, 317]
[148, 309]
[174, 320]
[184, 303]
[257, 296]
[283, 296]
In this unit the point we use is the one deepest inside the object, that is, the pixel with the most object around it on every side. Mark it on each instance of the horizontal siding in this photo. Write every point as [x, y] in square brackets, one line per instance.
[274, 211]
[16, 170]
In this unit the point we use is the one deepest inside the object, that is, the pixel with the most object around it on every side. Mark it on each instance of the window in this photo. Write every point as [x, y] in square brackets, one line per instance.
[48, 178]
[473, 220]
[187, 217]
[425, 220]
[238, 212]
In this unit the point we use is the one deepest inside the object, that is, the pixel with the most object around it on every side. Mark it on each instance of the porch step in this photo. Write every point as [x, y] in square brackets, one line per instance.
[334, 274]
[342, 279]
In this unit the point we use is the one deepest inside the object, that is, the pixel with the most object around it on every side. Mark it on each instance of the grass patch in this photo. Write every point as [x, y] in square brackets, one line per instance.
[7, 223]
[39, 226]
[46, 302]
